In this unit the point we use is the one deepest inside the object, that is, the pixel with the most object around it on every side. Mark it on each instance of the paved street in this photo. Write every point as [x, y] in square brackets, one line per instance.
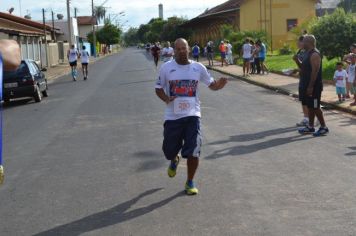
[88, 161]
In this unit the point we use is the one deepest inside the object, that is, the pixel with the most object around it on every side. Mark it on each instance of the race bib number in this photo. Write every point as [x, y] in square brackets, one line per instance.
[184, 106]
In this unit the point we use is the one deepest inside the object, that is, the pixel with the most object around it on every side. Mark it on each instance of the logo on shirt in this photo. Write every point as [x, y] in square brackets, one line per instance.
[173, 70]
[183, 88]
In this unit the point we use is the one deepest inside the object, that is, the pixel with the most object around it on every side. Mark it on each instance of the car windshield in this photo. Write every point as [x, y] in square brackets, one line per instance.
[21, 71]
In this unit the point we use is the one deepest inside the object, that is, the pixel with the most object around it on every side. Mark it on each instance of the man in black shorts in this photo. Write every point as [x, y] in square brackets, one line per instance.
[156, 51]
[177, 86]
[311, 86]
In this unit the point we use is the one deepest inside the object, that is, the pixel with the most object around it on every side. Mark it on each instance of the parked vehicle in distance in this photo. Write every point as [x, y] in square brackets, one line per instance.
[27, 81]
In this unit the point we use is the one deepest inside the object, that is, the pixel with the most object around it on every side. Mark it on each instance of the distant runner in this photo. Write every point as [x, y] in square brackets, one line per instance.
[72, 56]
[177, 86]
[84, 56]
[156, 50]
[167, 52]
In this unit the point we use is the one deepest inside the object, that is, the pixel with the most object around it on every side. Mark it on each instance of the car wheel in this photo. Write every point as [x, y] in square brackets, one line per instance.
[37, 95]
[45, 93]
[6, 100]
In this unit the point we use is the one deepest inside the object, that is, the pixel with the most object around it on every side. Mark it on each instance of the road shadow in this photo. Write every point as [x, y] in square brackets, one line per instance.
[255, 136]
[151, 160]
[252, 148]
[352, 153]
[112, 216]
[18, 102]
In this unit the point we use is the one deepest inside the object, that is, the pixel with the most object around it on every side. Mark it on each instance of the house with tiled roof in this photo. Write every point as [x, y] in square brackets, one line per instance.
[276, 17]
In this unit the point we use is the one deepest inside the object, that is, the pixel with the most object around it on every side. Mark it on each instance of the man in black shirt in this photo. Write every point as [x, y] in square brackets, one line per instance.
[311, 86]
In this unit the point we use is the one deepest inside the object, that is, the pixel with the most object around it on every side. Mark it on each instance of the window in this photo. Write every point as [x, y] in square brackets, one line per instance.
[20, 72]
[291, 23]
[32, 68]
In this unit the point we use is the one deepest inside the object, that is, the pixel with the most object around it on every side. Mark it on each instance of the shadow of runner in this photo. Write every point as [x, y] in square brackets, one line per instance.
[255, 136]
[352, 153]
[112, 216]
[247, 149]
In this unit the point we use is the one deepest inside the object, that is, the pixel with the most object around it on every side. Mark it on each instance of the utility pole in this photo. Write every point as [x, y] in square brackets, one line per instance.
[54, 31]
[69, 24]
[94, 34]
[45, 35]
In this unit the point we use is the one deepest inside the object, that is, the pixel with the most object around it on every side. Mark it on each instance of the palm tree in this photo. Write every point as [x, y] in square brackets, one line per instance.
[100, 12]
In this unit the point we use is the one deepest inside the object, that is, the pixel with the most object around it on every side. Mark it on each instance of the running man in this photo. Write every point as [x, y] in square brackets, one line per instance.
[84, 56]
[311, 86]
[177, 86]
[156, 50]
[196, 52]
[167, 52]
[72, 56]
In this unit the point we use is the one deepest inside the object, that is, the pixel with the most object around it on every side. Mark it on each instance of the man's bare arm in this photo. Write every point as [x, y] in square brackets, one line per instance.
[218, 84]
[163, 96]
[10, 51]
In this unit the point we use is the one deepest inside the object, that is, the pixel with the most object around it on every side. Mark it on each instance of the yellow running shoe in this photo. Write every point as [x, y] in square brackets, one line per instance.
[190, 189]
[172, 168]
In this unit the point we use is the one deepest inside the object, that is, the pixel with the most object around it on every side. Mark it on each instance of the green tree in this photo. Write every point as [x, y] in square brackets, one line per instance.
[335, 33]
[131, 37]
[348, 5]
[172, 29]
[109, 34]
[100, 12]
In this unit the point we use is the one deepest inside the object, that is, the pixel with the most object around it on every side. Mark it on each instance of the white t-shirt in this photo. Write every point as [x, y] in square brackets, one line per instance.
[340, 78]
[247, 48]
[351, 73]
[182, 82]
[73, 55]
[84, 56]
[229, 48]
[166, 51]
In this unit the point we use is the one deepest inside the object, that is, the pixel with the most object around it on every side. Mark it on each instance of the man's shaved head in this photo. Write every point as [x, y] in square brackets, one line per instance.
[181, 41]
[181, 51]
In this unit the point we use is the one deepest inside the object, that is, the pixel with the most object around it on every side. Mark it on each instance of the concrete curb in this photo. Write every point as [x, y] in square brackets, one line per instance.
[283, 91]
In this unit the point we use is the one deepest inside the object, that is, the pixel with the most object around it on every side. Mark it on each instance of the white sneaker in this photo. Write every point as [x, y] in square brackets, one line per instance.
[303, 123]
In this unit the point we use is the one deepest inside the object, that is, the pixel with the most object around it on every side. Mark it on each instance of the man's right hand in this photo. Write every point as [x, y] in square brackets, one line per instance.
[170, 99]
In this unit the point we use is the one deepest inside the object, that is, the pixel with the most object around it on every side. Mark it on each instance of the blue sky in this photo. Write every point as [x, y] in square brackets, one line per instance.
[136, 11]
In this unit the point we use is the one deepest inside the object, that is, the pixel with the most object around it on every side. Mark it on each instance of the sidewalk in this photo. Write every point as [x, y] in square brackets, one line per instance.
[64, 69]
[283, 84]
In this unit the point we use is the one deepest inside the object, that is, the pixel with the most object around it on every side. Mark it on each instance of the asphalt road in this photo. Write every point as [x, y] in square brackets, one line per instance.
[88, 161]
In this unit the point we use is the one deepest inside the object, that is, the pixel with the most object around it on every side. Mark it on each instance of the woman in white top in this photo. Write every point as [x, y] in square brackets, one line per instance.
[72, 56]
[84, 56]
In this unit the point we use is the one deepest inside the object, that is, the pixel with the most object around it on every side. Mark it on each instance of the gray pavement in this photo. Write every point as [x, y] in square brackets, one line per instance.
[88, 161]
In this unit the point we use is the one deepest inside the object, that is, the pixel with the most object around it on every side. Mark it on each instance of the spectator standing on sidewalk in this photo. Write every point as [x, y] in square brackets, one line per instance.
[246, 53]
[340, 78]
[222, 49]
[312, 86]
[255, 58]
[262, 56]
[210, 53]
[298, 58]
[196, 52]
[229, 57]
[351, 80]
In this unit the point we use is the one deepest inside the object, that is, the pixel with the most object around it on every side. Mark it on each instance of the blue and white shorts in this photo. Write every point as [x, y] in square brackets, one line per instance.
[182, 135]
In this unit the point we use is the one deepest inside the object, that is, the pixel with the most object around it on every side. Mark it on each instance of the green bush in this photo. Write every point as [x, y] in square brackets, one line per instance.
[285, 50]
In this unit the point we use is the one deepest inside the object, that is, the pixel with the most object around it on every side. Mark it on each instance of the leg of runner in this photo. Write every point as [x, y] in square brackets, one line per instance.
[192, 164]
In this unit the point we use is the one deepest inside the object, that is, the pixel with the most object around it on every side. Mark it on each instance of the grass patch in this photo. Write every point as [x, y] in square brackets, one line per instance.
[277, 63]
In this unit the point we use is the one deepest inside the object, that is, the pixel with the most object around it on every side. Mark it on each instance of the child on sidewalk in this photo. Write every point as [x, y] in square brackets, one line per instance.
[340, 77]
[351, 80]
